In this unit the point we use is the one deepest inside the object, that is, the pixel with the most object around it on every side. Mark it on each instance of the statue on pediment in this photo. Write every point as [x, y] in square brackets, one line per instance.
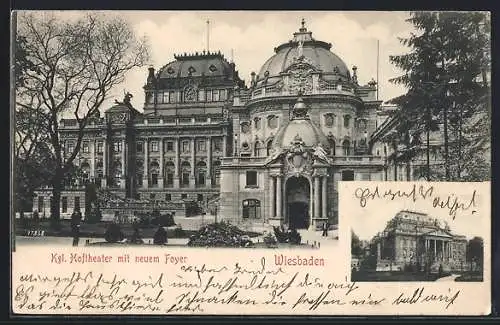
[320, 153]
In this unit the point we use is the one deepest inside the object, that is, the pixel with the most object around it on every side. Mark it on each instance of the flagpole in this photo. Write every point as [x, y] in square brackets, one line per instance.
[378, 54]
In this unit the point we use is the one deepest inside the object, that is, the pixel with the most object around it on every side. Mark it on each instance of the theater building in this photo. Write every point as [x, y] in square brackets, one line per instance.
[413, 238]
[270, 152]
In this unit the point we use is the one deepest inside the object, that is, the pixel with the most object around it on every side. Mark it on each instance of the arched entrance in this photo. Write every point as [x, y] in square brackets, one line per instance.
[297, 202]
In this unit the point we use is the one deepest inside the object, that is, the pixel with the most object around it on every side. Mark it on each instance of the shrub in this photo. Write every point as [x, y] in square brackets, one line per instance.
[160, 236]
[166, 220]
[114, 233]
[270, 240]
[179, 232]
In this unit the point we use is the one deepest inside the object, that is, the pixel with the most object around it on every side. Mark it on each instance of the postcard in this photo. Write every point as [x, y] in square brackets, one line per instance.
[250, 163]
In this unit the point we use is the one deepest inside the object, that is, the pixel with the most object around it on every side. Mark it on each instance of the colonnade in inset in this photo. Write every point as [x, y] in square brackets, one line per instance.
[445, 249]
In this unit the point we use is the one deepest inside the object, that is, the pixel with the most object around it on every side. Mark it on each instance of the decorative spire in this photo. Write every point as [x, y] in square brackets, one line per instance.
[354, 74]
[303, 29]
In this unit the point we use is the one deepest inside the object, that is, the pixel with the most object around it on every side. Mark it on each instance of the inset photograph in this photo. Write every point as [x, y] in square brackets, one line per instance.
[414, 246]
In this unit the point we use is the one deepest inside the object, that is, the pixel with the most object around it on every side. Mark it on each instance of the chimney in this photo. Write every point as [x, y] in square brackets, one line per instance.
[151, 75]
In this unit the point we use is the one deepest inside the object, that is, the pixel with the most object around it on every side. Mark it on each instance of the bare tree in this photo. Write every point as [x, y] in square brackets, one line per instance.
[77, 63]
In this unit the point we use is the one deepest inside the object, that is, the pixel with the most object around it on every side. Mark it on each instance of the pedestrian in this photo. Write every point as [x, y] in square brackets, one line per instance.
[76, 218]
[325, 229]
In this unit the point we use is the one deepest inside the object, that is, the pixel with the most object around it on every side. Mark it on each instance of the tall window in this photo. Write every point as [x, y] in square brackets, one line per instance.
[185, 146]
[217, 144]
[251, 178]
[85, 147]
[155, 171]
[40, 203]
[166, 97]
[64, 204]
[77, 203]
[168, 197]
[139, 147]
[201, 95]
[169, 171]
[171, 97]
[258, 149]
[256, 122]
[117, 146]
[251, 209]
[209, 95]
[154, 146]
[70, 147]
[347, 147]
[202, 146]
[201, 171]
[215, 95]
[347, 120]
[100, 146]
[216, 172]
[186, 172]
[269, 147]
[170, 146]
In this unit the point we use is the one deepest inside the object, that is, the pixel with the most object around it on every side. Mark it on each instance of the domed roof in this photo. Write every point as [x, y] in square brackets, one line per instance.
[316, 52]
[196, 65]
[300, 128]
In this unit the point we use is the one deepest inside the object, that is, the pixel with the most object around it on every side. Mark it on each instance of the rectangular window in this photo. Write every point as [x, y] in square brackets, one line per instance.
[200, 197]
[217, 144]
[171, 97]
[201, 95]
[215, 95]
[348, 175]
[159, 98]
[170, 178]
[139, 147]
[85, 147]
[70, 147]
[154, 146]
[168, 197]
[170, 146]
[223, 94]
[40, 203]
[185, 178]
[209, 95]
[166, 98]
[251, 178]
[202, 146]
[64, 204]
[184, 196]
[117, 146]
[185, 146]
[77, 203]
[154, 179]
[100, 146]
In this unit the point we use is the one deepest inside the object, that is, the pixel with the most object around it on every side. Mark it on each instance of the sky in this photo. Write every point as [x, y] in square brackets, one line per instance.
[252, 35]
[368, 221]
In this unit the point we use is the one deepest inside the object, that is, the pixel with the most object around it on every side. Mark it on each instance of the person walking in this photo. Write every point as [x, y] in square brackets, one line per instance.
[76, 218]
[325, 229]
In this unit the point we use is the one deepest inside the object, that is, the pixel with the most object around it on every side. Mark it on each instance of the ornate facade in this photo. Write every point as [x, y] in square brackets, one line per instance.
[413, 238]
[271, 152]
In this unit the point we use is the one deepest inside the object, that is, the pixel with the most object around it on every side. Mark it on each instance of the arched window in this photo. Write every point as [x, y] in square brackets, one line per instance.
[346, 146]
[329, 120]
[258, 149]
[251, 209]
[185, 172]
[332, 144]
[272, 121]
[269, 147]
[256, 122]
[201, 173]
[347, 120]
[216, 172]
[169, 173]
[154, 168]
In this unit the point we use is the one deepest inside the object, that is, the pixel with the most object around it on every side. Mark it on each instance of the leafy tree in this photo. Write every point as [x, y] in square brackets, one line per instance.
[356, 248]
[77, 63]
[446, 76]
[475, 251]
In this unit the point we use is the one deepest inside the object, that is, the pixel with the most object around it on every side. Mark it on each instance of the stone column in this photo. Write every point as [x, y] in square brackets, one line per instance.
[192, 178]
[324, 199]
[311, 202]
[272, 198]
[104, 181]
[209, 163]
[124, 165]
[177, 162]
[224, 146]
[145, 176]
[435, 248]
[317, 212]
[92, 160]
[161, 176]
[279, 194]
